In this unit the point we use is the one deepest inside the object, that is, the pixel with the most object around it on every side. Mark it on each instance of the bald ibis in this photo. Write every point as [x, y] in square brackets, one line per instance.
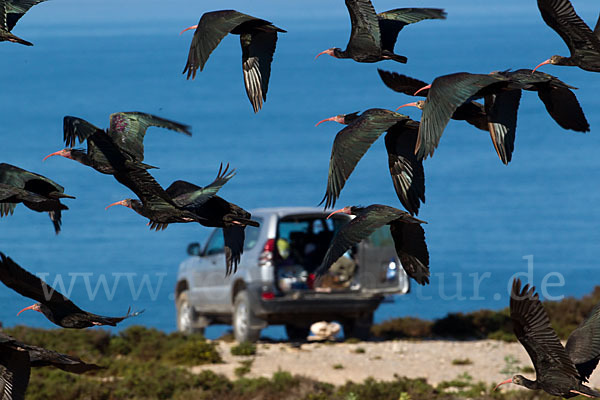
[560, 370]
[215, 212]
[408, 235]
[10, 13]
[374, 35]
[258, 39]
[471, 111]
[157, 205]
[120, 146]
[502, 94]
[35, 191]
[583, 44]
[352, 142]
[17, 358]
[55, 306]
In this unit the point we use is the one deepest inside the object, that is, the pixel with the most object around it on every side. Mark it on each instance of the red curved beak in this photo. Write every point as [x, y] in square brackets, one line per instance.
[328, 51]
[502, 383]
[187, 29]
[420, 90]
[337, 118]
[345, 210]
[544, 63]
[33, 307]
[414, 104]
[58, 153]
[118, 203]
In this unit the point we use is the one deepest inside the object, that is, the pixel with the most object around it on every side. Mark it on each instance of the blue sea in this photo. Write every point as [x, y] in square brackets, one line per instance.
[486, 221]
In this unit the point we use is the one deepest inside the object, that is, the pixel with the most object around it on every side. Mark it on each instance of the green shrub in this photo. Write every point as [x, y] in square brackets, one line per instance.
[194, 352]
[244, 349]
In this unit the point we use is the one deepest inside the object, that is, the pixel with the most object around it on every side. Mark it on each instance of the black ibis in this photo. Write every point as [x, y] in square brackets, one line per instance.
[17, 358]
[35, 191]
[374, 35]
[560, 370]
[502, 94]
[471, 111]
[55, 306]
[258, 39]
[583, 44]
[157, 205]
[10, 13]
[215, 212]
[352, 142]
[445, 95]
[120, 146]
[406, 230]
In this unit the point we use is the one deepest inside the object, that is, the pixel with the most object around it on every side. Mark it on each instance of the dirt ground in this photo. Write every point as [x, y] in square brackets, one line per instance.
[436, 360]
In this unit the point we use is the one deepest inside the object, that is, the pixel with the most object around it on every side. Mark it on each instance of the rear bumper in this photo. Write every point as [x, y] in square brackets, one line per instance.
[312, 305]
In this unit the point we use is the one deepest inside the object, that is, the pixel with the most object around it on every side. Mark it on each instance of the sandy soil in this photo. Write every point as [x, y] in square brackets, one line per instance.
[491, 361]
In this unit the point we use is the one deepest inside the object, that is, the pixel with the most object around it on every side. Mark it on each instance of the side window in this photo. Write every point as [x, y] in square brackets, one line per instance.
[252, 234]
[216, 243]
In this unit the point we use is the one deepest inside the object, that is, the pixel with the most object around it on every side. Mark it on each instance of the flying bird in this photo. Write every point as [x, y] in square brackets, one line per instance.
[17, 358]
[118, 147]
[10, 13]
[258, 39]
[352, 142]
[215, 212]
[36, 192]
[406, 230]
[56, 307]
[374, 35]
[560, 370]
[501, 91]
[583, 44]
[471, 111]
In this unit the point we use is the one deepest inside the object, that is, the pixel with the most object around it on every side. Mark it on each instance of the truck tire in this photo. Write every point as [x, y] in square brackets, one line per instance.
[297, 333]
[187, 317]
[359, 327]
[244, 321]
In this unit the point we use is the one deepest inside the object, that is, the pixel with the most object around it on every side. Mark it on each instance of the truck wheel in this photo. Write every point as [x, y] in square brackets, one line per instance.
[244, 321]
[359, 328]
[297, 333]
[187, 317]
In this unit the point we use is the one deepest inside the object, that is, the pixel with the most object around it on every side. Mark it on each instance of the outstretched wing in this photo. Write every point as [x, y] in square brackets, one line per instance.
[14, 373]
[560, 16]
[257, 56]
[402, 83]
[234, 237]
[447, 93]
[501, 110]
[406, 168]
[18, 195]
[583, 344]
[391, 22]
[129, 128]
[532, 328]
[365, 35]
[212, 28]
[15, 9]
[351, 143]
[562, 105]
[187, 194]
[367, 221]
[77, 129]
[409, 240]
[29, 285]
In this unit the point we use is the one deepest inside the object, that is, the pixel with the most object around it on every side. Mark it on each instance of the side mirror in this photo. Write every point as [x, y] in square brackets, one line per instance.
[193, 249]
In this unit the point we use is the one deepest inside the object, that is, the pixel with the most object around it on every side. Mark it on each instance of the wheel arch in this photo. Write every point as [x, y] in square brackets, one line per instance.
[180, 287]
[237, 287]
